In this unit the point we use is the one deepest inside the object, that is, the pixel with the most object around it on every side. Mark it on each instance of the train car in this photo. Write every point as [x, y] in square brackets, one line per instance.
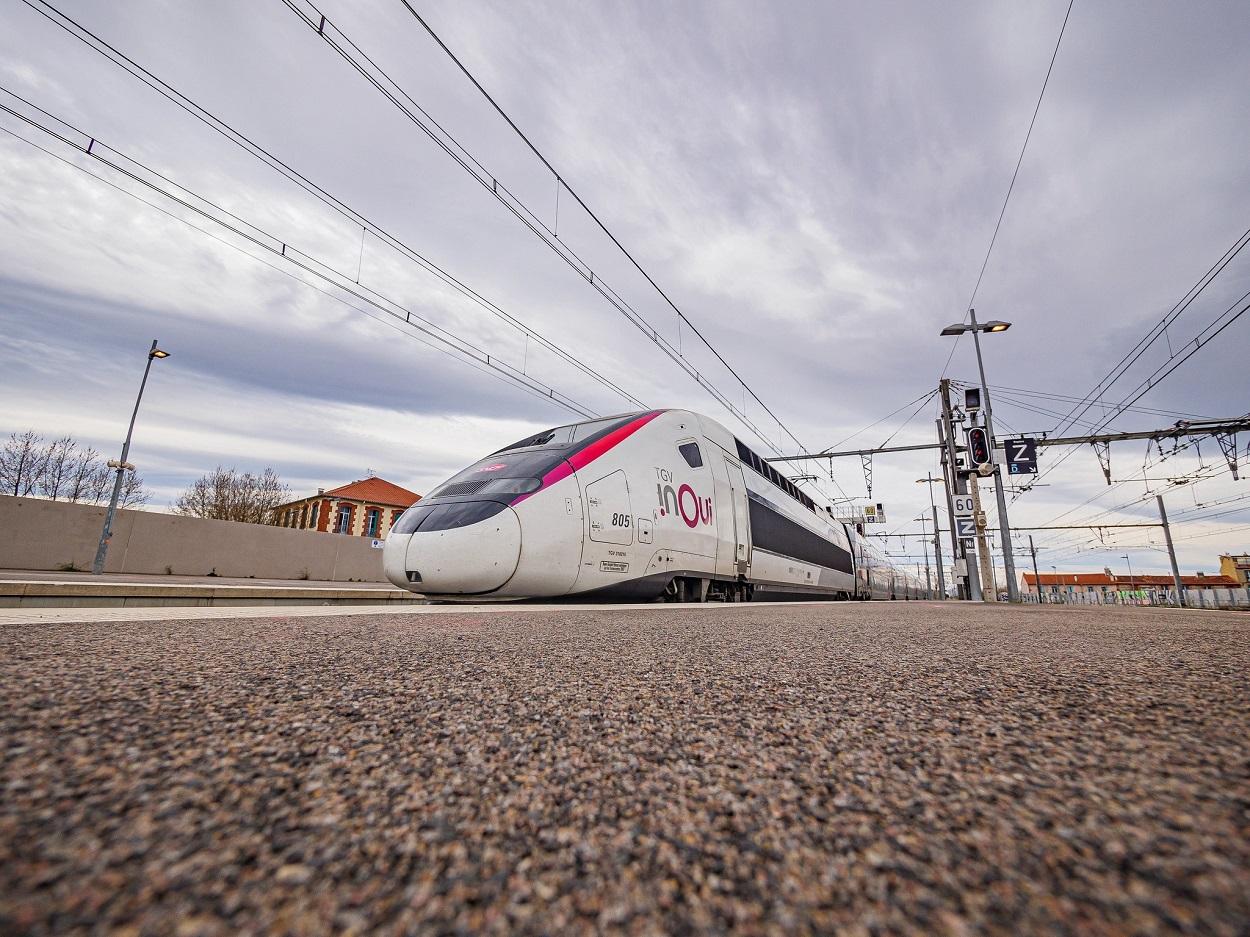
[662, 504]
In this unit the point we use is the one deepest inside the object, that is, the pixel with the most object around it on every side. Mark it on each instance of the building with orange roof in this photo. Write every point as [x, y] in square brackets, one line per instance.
[1107, 582]
[364, 508]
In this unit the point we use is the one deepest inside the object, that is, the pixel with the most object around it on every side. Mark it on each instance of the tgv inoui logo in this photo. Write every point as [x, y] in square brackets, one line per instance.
[681, 500]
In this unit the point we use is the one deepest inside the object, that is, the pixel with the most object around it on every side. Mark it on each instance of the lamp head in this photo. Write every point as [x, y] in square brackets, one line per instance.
[158, 353]
[957, 329]
[996, 325]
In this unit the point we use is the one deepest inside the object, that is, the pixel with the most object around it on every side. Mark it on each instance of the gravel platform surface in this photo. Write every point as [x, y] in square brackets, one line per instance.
[865, 769]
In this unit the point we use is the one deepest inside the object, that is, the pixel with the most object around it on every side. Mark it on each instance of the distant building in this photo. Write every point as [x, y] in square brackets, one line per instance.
[365, 508]
[1107, 582]
[1236, 566]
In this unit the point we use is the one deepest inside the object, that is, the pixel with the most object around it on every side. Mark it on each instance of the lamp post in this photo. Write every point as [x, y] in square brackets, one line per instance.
[937, 540]
[97, 567]
[994, 325]
[1132, 585]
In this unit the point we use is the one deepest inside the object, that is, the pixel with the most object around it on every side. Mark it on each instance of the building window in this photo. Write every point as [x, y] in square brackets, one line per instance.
[312, 518]
[303, 517]
[373, 520]
[343, 520]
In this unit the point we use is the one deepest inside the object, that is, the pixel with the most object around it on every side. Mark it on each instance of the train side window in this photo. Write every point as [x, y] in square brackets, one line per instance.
[690, 452]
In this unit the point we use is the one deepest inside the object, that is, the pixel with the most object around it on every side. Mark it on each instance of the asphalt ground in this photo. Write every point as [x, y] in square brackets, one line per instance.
[859, 768]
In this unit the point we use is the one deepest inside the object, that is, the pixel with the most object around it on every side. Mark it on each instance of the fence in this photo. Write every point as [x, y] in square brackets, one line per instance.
[1194, 598]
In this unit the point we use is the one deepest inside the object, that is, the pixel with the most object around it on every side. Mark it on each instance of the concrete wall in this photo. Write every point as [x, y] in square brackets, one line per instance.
[39, 534]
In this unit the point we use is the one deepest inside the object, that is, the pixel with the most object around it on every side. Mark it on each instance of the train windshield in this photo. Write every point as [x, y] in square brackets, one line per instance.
[563, 436]
[504, 474]
[519, 469]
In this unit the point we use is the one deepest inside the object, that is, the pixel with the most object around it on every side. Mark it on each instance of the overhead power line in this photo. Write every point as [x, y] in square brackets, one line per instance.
[1178, 414]
[353, 55]
[1012, 185]
[250, 146]
[1020, 160]
[1157, 331]
[154, 181]
[1210, 332]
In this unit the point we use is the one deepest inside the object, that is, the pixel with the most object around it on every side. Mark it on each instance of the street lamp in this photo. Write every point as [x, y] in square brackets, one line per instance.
[1132, 586]
[97, 567]
[994, 325]
[976, 328]
[937, 542]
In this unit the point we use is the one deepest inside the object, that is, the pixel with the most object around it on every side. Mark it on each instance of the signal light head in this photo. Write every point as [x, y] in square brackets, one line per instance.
[979, 446]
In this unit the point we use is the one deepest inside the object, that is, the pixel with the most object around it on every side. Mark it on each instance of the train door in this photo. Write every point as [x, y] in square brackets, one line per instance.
[608, 508]
[741, 531]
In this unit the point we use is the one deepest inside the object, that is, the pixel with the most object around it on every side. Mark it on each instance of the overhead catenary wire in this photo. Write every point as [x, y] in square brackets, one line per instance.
[1012, 185]
[93, 41]
[258, 237]
[1211, 331]
[534, 392]
[1160, 328]
[1155, 411]
[590, 213]
[351, 53]
[1033, 401]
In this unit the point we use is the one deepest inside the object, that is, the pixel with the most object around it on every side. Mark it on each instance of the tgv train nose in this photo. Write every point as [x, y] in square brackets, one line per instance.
[462, 548]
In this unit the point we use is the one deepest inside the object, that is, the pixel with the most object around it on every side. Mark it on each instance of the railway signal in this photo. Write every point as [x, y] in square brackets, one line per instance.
[979, 450]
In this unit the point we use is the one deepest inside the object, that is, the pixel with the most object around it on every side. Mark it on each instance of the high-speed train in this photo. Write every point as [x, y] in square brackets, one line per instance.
[663, 504]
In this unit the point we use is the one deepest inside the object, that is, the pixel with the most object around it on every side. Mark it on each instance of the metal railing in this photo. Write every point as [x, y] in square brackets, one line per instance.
[1193, 598]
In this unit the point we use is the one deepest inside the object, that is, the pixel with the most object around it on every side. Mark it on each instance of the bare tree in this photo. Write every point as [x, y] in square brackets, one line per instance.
[133, 493]
[230, 495]
[62, 470]
[21, 463]
[84, 476]
[58, 465]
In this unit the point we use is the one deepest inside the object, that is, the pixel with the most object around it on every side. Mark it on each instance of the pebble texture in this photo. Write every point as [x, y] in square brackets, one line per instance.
[867, 769]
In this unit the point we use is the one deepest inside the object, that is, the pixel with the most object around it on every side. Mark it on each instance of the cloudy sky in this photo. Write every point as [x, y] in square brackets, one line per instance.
[815, 185]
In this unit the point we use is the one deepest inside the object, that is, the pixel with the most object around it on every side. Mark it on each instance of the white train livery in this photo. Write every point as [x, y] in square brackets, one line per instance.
[660, 504]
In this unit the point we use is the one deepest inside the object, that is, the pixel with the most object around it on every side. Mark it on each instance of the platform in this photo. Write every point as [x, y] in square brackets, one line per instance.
[38, 589]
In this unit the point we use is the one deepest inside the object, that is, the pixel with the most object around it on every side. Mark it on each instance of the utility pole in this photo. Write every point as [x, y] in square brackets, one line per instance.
[956, 484]
[1009, 565]
[1036, 577]
[1167, 536]
[937, 540]
[983, 550]
[924, 543]
[961, 587]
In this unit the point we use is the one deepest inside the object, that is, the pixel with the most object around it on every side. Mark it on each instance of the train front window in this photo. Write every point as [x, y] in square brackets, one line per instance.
[450, 516]
[560, 436]
[431, 517]
[585, 430]
[563, 436]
